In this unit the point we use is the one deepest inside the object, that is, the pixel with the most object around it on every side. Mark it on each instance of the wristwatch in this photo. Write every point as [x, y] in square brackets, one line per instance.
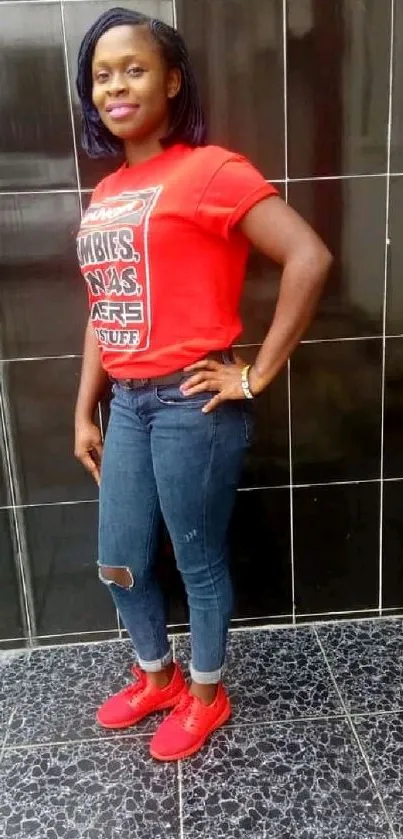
[245, 382]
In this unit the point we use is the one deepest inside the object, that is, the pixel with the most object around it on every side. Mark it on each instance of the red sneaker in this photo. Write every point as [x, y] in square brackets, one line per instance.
[140, 699]
[189, 725]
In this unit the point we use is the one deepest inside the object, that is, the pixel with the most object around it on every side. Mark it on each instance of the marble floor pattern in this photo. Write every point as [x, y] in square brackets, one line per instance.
[314, 748]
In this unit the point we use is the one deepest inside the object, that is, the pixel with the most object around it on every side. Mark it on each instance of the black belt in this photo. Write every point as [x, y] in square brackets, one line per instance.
[222, 356]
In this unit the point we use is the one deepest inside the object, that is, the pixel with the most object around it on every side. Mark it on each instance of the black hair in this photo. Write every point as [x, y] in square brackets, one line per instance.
[187, 117]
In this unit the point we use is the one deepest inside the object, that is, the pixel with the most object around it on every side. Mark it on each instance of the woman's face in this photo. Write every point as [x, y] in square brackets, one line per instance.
[131, 84]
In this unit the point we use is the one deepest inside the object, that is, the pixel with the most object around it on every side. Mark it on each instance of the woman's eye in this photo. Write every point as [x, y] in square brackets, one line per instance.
[135, 72]
[101, 77]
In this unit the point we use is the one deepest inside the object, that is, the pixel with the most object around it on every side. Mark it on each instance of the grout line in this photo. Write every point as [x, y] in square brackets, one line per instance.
[364, 714]
[285, 96]
[74, 356]
[174, 14]
[27, 618]
[290, 464]
[89, 190]
[70, 103]
[385, 289]
[119, 624]
[50, 503]
[274, 625]
[111, 738]
[357, 739]
[267, 488]
[107, 738]
[66, 357]
[180, 796]
[318, 484]
[347, 177]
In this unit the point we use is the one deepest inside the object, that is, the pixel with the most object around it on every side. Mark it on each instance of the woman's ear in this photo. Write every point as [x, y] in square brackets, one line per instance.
[174, 83]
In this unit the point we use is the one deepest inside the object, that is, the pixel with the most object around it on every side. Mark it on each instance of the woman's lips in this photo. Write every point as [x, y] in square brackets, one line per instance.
[121, 111]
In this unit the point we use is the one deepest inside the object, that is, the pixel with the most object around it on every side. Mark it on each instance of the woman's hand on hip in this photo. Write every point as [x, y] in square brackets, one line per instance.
[88, 447]
[212, 375]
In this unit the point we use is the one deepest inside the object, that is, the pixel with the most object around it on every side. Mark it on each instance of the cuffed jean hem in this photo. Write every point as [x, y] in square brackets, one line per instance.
[212, 678]
[157, 665]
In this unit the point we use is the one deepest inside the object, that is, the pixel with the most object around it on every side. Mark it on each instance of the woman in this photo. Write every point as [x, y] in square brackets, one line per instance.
[163, 248]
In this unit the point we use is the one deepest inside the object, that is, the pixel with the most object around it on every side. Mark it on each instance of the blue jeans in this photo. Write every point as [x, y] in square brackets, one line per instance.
[163, 456]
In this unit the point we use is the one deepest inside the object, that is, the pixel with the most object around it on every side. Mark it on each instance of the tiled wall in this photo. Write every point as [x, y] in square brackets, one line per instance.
[310, 91]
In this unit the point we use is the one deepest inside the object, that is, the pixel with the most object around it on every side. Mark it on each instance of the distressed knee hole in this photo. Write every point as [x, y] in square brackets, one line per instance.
[121, 577]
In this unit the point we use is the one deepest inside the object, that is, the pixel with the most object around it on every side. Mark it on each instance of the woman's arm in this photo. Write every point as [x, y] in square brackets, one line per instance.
[88, 441]
[282, 235]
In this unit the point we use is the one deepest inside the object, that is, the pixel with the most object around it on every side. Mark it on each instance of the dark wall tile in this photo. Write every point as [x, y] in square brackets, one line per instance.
[336, 547]
[393, 423]
[62, 550]
[10, 615]
[396, 152]
[78, 18]
[36, 144]
[336, 411]
[40, 409]
[261, 560]
[350, 217]
[392, 565]
[267, 462]
[394, 294]
[237, 48]
[338, 87]
[42, 295]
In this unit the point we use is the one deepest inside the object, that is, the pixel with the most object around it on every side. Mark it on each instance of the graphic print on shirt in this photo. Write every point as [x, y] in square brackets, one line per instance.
[113, 252]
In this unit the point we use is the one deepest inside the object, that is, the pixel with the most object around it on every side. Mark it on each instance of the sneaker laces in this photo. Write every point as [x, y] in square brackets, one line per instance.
[133, 692]
[188, 711]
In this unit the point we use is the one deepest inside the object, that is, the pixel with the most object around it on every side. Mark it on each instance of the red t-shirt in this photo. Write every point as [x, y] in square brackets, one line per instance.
[162, 258]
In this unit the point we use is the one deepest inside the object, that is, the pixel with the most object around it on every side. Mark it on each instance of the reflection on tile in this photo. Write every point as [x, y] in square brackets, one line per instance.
[62, 549]
[260, 553]
[301, 780]
[88, 791]
[382, 738]
[40, 408]
[336, 547]
[394, 299]
[276, 674]
[36, 139]
[336, 411]
[12, 669]
[237, 49]
[337, 87]
[392, 565]
[41, 291]
[60, 689]
[349, 215]
[78, 18]
[393, 450]
[10, 616]
[367, 662]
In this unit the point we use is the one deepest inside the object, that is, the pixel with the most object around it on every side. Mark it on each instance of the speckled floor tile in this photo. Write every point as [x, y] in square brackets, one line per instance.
[60, 688]
[12, 667]
[382, 739]
[299, 780]
[276, 674]
[367, 661]
[88, 791]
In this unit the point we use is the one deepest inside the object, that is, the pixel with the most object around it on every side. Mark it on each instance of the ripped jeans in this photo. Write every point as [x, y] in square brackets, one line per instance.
[163, 456]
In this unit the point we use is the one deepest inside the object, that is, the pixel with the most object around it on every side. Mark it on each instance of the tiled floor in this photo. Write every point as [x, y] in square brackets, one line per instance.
[314, 748]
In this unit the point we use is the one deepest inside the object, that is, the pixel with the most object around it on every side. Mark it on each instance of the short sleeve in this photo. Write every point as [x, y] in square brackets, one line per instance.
[235, 187]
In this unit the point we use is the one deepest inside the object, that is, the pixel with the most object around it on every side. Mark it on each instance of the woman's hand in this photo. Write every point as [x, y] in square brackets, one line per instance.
[211, 375]
[88, 447]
